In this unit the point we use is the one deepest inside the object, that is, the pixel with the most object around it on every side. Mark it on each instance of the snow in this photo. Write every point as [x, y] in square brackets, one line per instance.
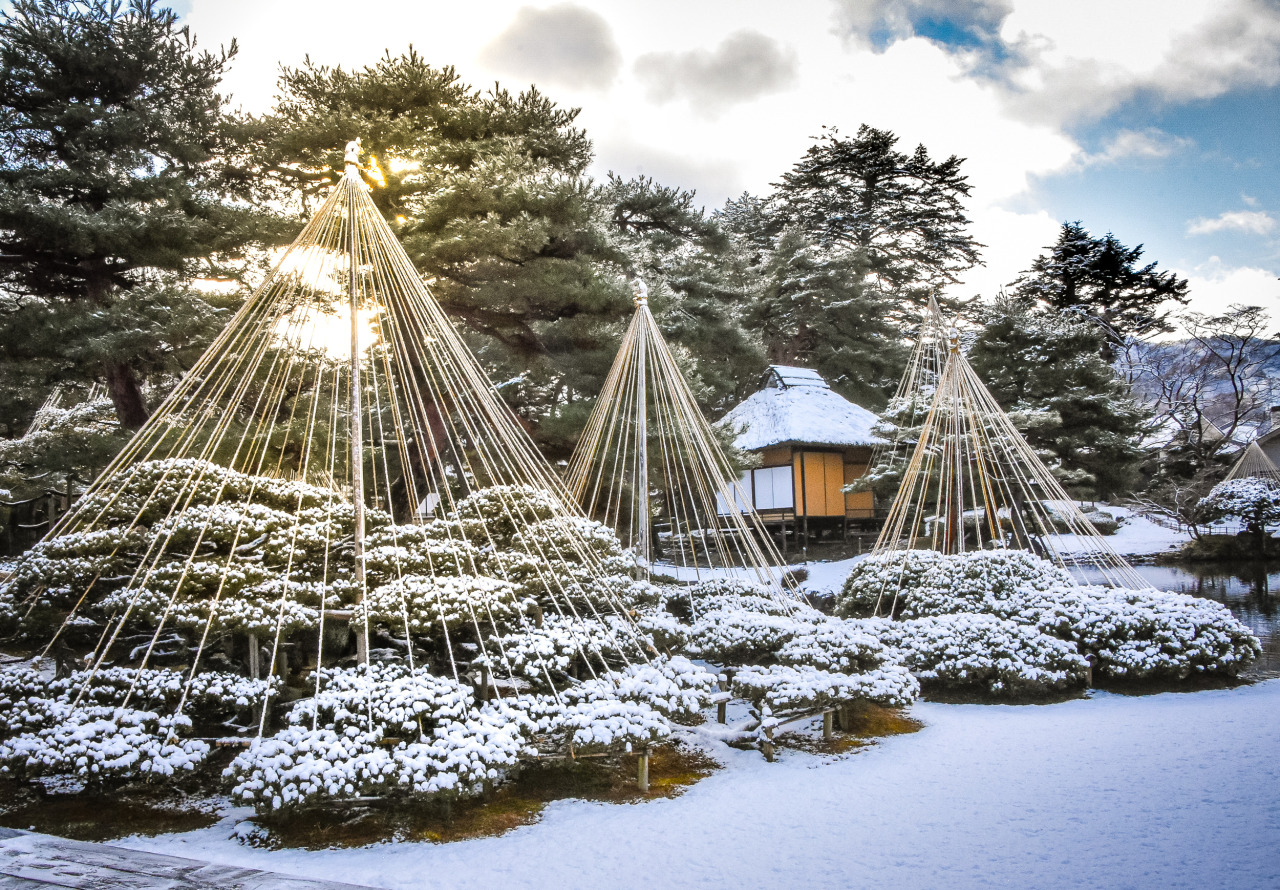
[1137, 536]
[1177, 790]
[804, 410]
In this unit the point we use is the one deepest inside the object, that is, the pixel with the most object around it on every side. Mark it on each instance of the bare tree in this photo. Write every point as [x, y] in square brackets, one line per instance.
[1203, 389]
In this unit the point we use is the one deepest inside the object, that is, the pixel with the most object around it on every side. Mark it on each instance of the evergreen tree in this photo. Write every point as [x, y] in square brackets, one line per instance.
[1103, 279]
[488, 192]
[819, 312]
[900, 215]
[1045, 368]
[115, 188]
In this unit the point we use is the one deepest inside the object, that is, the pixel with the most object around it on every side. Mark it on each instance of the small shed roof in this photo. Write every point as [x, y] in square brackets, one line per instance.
[797, 407]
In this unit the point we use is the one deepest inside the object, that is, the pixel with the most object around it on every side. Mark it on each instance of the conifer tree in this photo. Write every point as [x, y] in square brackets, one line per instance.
[489, 193]
[1105, 280]
[900, 215]
[820, 313]
[1045, 368]
[114, 193]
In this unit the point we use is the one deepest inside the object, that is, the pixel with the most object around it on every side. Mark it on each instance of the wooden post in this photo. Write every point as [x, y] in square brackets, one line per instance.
[721, 716]
[828, 719]
[642, 770]
[767, 745]
[357, 411]
[254, 667]
[484, 682]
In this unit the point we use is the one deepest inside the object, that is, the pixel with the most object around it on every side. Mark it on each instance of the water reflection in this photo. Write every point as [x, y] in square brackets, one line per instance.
[1251, 592]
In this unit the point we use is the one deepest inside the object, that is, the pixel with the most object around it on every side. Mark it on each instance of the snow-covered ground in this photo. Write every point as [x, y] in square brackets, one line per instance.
[1163, 791]
[1136, 536]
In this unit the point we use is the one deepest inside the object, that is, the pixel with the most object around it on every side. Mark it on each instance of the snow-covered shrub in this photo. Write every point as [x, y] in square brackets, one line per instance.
[1253, 501]
[432, 606]
[984, 652]
[846, 646]
[209, 695]
[596, 724]
[492, 516]
[1141, 634]
[876, 583]
[561, 646]
[299, 766]
[267, 605]
[674, 687]
[32, 700]
[738, 594]
[922, 582]
[733, 637]
[97, 743]
[665, 630]
[380, 697]
[1131, 634]
[397, 551]
[785, 688]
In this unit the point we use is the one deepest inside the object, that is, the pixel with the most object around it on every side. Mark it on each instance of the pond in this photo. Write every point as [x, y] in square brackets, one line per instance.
[1251, 592]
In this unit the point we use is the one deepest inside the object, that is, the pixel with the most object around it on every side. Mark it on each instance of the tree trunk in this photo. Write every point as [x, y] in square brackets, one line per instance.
[126, 395]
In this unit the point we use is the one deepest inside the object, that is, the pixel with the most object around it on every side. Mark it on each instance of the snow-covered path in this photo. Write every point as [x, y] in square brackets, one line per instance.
[1164, 791]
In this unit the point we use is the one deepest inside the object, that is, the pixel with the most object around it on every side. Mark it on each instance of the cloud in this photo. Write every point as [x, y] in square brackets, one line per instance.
[1161, 50]
[1147, 144]
[961, 24]
[1250, 222]
[567, 45]
[1214, 286]
[745, 66]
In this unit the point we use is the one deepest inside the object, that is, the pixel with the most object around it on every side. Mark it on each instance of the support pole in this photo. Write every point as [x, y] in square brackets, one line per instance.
[642, 770]
[357, 410]
[641, 495]
[255, 668]
[828, 721]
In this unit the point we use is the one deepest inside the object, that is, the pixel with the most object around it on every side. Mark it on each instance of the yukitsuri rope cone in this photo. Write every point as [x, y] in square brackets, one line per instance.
[334, 502]
[647, 441]
[970, 481]
[1254, 464]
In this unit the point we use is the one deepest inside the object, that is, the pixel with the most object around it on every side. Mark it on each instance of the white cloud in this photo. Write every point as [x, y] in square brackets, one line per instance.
[1214, 286]
[566, 44]
[745, 66]
[1146, 144]
[1083, 59]
[1250, 222]
[1013, 242]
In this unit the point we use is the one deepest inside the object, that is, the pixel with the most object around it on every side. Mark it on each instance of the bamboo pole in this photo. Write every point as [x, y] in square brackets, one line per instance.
[357, 410]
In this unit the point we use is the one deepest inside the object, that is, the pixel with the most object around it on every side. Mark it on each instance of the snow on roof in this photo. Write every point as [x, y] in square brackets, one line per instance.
[805, 410]
[785, 376]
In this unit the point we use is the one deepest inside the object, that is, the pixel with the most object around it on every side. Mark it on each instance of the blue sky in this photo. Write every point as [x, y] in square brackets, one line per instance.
[1158, 120]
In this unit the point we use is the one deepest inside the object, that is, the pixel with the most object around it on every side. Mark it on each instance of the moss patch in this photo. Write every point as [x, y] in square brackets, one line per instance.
[93, 817]
[672, 768]
[859, 726]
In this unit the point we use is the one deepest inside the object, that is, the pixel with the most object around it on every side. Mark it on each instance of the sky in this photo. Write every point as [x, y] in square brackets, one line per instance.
[1157, 120]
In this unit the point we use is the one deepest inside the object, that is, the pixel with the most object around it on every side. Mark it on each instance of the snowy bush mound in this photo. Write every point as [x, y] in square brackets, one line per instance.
[985, 652]
[119, 723]
[1129, 634]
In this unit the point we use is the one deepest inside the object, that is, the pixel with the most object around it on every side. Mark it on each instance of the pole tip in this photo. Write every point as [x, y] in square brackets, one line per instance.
[640, 290]
[353, 152]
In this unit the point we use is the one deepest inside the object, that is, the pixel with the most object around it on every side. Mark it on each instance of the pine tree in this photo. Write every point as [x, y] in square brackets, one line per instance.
[1045, 368]
[1104, 280]
[900, 215]
[114, 193]
[489, 193]
[819, 312]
